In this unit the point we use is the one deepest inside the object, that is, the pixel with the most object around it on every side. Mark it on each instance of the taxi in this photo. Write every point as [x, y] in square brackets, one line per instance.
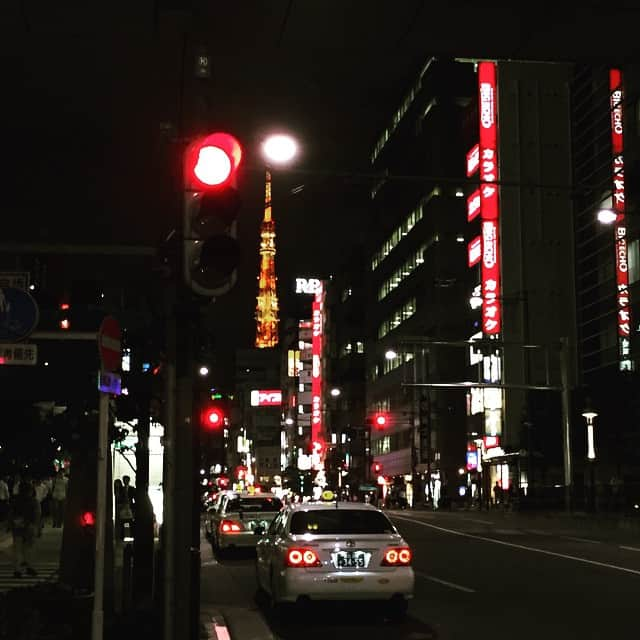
[334, 551]
[231, 521]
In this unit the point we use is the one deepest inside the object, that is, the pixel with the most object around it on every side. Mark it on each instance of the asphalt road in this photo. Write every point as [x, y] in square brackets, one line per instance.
[477, 577]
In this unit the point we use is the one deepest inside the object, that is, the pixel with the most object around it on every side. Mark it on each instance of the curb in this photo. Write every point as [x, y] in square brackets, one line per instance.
[213, 626]
[234, 623]
[247, 624]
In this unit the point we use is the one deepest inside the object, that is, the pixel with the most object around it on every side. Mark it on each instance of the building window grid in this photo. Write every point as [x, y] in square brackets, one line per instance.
[394, 363]
[403, 272]
[400, 113]
[400, 315]
[398, 233]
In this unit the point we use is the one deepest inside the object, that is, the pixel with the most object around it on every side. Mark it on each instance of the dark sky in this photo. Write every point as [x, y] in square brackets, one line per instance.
[95, 104]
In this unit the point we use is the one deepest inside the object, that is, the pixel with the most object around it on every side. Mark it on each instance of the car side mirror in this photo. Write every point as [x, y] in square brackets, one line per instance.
[260, 530]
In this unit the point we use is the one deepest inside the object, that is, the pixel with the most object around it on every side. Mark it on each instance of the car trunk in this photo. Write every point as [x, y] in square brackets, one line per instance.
[358, 552]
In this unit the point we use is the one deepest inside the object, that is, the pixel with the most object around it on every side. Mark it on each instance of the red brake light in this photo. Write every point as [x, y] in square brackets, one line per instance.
[302, 557]
[397, 556]
[229, 526]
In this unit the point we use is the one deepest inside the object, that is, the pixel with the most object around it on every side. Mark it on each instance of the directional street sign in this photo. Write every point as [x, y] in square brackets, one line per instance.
[20, 353]
[109, 344]
[19, 314]
[109, 383]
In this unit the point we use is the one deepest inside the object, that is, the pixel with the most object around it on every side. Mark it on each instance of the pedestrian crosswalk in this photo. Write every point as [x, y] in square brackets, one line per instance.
[46, 572]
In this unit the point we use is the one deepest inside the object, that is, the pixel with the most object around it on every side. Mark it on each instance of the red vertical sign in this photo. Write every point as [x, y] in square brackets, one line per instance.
[489, 208]
[316, 367]
[622, 264]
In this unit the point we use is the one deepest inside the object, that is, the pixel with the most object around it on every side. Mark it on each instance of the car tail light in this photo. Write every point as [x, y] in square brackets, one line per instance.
[397, 557]
[302, 557]
[229, 526]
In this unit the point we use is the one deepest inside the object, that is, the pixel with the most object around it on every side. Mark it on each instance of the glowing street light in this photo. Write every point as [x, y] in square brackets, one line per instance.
[390, 354]
[280, 148]
[335, 392]
[203, 371]
[607, 216]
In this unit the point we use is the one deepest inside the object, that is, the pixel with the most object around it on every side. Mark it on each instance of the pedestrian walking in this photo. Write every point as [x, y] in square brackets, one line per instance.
[24, 521]
[5, 496]
[497, 494]
[41, 492]
[127, 505]
[59, 498]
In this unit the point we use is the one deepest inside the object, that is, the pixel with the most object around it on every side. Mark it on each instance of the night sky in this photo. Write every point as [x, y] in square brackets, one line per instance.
[95, 106]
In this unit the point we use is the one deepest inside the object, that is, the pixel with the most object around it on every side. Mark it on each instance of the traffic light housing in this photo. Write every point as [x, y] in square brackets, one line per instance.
[211, 205]
[64, 316]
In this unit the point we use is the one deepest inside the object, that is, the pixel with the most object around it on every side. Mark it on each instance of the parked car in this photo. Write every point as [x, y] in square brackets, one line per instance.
[233, 518]
[334, 551]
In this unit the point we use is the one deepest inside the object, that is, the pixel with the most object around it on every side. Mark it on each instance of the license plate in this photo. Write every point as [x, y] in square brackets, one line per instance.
[351, 559]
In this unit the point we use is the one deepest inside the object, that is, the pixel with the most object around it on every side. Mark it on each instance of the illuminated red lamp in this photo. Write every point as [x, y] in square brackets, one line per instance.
[211, 162]
[212, 417]
[302, 557]
[380, 420]
[88, 519]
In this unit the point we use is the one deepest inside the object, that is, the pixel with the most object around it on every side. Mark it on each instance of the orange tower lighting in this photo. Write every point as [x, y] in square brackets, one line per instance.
[267, 306]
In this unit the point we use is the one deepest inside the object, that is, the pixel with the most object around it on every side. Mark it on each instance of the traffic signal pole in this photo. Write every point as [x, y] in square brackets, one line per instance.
[169, 470]
[97, 617]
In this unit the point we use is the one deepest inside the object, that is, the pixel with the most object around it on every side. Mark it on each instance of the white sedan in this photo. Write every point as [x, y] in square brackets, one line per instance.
[334, 551]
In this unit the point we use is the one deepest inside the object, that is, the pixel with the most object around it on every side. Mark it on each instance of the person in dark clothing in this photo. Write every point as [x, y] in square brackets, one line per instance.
[127, 509]
[24, 523]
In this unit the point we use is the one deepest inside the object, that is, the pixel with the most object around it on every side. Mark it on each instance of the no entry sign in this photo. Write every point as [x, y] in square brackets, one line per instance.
[109, 344]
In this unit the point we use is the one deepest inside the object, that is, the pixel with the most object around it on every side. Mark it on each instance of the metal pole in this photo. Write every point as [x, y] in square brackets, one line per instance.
[566, 421]
[101, 510]
[168, 531]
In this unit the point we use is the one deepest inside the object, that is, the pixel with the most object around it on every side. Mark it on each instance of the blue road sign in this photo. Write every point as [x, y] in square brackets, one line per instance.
[19, 314]
[109, 383]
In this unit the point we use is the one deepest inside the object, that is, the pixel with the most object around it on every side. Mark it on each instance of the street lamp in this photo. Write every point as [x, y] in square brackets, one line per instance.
[279, 148]
[390, 354]
[607, 216]
[335, 392]
[589, 414]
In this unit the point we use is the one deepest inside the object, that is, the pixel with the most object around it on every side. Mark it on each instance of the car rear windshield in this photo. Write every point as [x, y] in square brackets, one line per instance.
[340, 522]
[254, 504]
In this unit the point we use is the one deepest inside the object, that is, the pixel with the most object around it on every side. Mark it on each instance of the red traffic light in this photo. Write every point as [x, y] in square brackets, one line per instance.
[212, 161]
[212, 417]
[88, 519]
[380, 420]
[376, 467]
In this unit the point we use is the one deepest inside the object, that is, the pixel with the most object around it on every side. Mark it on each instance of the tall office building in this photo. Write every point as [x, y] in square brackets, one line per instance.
[477, 246]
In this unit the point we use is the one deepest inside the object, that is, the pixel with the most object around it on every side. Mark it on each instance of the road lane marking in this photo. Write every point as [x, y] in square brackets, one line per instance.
[580, 539]
[453, 585]
[523, 547]
[477, 520]
[629, 548]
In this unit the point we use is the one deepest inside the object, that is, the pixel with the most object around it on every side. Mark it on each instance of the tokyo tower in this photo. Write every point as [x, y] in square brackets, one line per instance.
[267, 307]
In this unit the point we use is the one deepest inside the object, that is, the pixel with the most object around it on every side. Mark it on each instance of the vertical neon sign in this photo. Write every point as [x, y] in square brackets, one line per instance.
[489, 208]
[620, 229]
[316, 367]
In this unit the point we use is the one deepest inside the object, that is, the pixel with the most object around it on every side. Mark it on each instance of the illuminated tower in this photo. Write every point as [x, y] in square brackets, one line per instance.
[267, 307]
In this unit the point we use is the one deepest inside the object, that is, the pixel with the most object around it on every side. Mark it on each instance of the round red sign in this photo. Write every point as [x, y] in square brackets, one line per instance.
[109, 344]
